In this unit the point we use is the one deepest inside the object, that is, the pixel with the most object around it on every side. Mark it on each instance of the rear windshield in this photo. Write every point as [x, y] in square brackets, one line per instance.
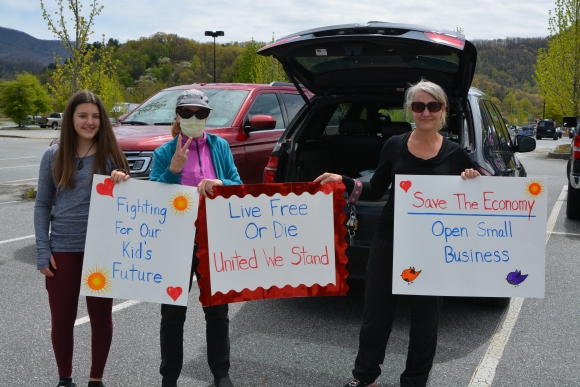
[160, 109]
[323, 64]
[546, 124]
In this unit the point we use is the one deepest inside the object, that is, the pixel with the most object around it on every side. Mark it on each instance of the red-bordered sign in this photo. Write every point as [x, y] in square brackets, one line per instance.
[260, 293]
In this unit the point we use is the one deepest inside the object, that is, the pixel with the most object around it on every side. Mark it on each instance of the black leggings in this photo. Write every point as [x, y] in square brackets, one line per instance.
[171, 337]
[379, 311]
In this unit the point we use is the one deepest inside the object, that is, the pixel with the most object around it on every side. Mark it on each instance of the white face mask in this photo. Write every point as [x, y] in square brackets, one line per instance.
[192, 127]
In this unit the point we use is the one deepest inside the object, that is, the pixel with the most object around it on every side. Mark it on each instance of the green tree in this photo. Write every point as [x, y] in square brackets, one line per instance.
[557, 71]
[254, 68]
[22, 97]
[88, 66]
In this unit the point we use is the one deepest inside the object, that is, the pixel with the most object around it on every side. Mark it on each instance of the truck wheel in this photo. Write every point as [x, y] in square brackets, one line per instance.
[495, 302]
[573, 203]
[54, 125]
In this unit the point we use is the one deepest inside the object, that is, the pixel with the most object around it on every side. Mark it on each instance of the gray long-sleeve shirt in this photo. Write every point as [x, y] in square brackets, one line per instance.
[69, 226]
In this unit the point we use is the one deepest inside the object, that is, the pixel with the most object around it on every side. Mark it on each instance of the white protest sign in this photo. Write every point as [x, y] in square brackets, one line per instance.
[483, 237]
[140, 241]
[270, 241]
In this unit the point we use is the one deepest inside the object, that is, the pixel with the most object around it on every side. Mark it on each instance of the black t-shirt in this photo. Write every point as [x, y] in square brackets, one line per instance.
[397, 160]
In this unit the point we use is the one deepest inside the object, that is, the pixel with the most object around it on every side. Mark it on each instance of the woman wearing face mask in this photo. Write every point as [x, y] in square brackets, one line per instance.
[201, 159]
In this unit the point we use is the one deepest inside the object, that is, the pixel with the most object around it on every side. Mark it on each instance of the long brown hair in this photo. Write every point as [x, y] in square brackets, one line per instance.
[107, 146]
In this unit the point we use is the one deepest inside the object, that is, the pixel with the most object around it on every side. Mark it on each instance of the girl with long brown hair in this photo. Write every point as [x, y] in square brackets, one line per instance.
[87, 146]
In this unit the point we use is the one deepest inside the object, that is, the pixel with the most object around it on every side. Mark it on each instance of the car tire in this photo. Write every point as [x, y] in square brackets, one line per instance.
[573, 203]
[555, 138]
[54, 125]
[494, 302]
[538, 137]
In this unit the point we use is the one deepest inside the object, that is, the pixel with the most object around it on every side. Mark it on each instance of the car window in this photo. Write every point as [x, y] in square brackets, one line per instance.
[294, 103]
[267, 104]
[496, 140]
[340, 113]
[54, 115]
[546, 125]
[160, 109]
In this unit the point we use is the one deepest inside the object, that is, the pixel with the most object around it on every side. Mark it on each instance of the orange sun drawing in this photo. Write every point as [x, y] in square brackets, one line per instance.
[181, 202]
[97, 280]
[534, 188]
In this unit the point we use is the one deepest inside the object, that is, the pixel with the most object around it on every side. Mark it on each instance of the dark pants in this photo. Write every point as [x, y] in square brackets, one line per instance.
[379, 311]
[171, 337]
[63, 298]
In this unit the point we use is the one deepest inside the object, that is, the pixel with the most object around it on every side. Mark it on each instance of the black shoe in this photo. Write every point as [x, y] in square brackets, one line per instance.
[66, 382]
[358, 383]
[94, 383]
[224, 382]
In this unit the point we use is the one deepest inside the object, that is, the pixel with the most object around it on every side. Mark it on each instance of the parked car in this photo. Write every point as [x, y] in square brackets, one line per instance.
[546, 128]
[570, 122]
[251, 117]
[573, 171]
[529, 129]
[358, 74]
[54, 120]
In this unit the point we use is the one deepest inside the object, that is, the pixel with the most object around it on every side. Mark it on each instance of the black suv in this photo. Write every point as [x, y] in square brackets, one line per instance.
[546, 128]
[359, 74]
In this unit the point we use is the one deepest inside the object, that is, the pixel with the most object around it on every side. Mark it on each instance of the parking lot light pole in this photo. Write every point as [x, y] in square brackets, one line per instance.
[214, 34]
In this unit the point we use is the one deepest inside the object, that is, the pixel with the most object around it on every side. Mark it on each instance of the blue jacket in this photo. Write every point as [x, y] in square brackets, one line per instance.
[221, 156]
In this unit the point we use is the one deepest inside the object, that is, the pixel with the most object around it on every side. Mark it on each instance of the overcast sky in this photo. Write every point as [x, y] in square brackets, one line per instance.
[245, 19]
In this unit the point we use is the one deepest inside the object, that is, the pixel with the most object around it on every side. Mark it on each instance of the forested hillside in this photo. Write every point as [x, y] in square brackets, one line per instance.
[505, 67]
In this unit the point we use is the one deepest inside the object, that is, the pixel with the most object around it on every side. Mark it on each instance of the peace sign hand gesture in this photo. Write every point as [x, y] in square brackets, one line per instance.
[180, 156]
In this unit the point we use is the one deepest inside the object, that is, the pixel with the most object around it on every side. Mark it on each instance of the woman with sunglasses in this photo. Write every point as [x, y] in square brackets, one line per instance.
[195, 158]
[423, 151]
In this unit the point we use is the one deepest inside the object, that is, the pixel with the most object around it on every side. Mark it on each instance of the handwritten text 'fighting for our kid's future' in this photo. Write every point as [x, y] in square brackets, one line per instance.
[274, 230]
[137, 229]
[497, 226]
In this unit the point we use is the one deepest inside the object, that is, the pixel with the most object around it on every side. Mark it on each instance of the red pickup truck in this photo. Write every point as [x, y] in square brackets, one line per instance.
[250, 117]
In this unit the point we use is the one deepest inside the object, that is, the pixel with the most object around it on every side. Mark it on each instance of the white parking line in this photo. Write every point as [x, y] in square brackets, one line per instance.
[21, 166]
[117, 307]
[485, 371]
[18, 158]
[126, 304]
[16, 181]
[16, 239]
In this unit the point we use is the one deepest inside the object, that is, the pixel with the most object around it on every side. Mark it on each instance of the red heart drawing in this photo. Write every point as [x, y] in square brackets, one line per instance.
[405, 184]
[174, 293]
[106, 187]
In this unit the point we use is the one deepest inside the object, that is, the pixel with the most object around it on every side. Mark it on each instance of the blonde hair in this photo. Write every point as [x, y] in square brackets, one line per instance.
[434, 90]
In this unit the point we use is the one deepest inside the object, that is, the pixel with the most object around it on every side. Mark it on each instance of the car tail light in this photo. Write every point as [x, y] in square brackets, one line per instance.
[445, 39]
[270, 170]
[576, 147]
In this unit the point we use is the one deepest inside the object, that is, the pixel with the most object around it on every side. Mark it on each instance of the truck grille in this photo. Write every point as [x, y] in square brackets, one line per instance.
[139, 163]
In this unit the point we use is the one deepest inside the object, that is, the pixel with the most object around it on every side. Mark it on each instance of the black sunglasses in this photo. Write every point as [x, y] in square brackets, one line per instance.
[433, 107]
[186, 113]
